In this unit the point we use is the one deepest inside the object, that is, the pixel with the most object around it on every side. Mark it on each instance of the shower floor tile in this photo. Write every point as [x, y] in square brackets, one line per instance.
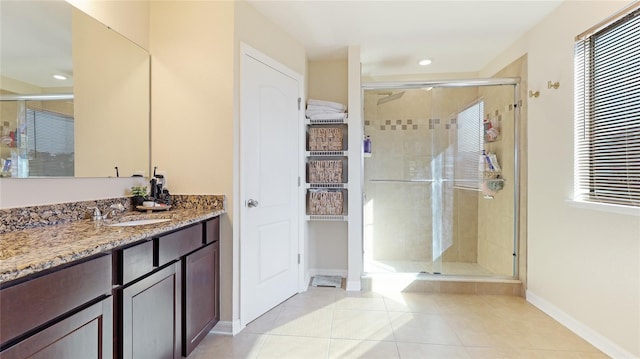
[450, 268]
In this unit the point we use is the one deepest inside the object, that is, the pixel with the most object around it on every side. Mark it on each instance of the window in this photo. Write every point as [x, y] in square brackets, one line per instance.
[469, 144]
[607, 113]
[50, 143]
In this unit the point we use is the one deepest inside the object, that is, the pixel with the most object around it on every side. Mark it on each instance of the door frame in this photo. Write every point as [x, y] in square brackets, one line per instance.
[248, 51]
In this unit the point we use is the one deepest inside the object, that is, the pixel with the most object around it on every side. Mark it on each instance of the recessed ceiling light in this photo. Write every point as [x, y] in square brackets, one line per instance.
[424, 62]
[59, 77]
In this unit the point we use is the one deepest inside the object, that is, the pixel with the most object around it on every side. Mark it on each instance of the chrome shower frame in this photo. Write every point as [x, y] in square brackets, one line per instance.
[515, 82]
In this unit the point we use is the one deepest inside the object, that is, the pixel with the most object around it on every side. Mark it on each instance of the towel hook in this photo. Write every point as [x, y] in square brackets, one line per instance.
[553, 85]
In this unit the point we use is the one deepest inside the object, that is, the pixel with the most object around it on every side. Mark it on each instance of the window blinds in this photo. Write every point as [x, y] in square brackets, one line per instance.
[50, 143]
[469, 143]
[607, 110]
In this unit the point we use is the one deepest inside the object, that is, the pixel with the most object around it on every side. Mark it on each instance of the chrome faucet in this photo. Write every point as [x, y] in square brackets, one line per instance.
[109, 212]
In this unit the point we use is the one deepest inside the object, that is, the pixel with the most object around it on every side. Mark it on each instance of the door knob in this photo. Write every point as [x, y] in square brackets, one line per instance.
[252, 203]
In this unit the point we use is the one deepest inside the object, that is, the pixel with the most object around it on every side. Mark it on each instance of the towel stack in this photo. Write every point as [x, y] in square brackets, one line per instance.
[325, 110]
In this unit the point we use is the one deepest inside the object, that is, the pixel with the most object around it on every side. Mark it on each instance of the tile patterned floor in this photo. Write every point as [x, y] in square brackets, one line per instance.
[331, 323]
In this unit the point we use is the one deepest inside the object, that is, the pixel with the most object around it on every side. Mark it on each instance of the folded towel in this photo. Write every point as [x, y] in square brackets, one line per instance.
[319, 112]
[329, 116]
[330, 104]
[324, 109]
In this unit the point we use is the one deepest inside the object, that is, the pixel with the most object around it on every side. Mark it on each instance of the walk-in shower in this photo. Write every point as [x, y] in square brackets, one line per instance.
[441, 182]
[37, 135]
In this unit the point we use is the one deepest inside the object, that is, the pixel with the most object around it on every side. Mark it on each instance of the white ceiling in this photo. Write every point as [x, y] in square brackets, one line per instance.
[36, 42]
[459, 36]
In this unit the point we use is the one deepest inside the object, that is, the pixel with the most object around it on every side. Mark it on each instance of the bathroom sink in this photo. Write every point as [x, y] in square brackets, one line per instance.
[139, 222]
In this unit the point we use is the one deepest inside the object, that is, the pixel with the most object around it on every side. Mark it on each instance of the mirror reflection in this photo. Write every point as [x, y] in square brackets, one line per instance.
[93, 121]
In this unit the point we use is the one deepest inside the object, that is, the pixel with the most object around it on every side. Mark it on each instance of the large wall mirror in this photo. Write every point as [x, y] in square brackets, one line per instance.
[75, 95]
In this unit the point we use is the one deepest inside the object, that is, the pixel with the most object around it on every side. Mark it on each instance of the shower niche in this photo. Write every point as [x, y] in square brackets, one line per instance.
[440, 193]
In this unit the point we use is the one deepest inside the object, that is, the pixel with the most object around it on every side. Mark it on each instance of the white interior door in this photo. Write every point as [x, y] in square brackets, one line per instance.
[269, 157]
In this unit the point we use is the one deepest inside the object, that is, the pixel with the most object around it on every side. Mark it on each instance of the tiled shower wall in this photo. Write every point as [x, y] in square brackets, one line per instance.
[496, 217]
[407, 134]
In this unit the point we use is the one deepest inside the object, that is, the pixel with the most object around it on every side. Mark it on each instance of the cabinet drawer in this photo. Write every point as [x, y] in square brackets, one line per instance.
[52, 295]
[136, 261]
[174, 245]
[212, 230]
[86, 334]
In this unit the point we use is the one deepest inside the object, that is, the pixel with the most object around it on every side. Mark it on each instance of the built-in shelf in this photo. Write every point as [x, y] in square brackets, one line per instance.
[326, 122]
[326, 153]
[326, 185]
[340, 153]
[329, 218]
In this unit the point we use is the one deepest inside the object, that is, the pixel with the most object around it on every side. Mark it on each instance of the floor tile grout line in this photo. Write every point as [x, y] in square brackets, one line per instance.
[463, 307]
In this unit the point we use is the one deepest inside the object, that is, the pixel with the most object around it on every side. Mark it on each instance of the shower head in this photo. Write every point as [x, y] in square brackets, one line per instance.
[390, 98]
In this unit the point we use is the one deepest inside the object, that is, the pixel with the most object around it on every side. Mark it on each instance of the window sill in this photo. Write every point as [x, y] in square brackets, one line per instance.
[605, 207]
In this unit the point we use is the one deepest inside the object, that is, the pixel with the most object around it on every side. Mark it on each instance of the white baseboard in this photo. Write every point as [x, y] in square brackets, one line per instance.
[354, 285]
[594, 338]
[227, 328]
[305, 283]
[236, 327]
[224, 328]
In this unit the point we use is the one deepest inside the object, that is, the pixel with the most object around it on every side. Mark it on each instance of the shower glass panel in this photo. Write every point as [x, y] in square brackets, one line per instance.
[440, 180]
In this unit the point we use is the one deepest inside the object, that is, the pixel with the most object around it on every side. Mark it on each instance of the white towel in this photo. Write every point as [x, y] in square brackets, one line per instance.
[317, 112]
[328, 116]
[323, 108]
[330, 104]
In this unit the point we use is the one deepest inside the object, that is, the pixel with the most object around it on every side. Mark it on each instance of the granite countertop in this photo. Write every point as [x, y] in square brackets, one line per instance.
[28, 251]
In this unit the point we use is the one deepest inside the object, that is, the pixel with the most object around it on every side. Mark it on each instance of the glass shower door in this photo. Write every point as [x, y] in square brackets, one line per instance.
[473, 197]
[397, 182]
[432, 203]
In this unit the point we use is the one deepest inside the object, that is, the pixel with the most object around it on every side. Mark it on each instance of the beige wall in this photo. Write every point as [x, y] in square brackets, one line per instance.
[192, 106]
[129, 18]
[254, 29]
[328, 81]
[195, 64]
[195, 90]
[14, 86]
[583, 264]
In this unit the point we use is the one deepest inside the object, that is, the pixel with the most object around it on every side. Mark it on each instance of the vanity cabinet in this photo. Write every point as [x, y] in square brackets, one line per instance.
[64, 313]
[155, 298]
[86, 334]
[201, 288]
[168, 294]
[150, 315]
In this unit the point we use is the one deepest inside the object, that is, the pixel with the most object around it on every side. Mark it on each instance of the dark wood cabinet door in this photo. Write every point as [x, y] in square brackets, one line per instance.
[84, 335]
[201, 310]
[151, 316]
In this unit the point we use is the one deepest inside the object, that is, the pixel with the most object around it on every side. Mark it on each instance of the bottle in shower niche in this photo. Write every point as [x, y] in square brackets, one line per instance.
[367, 144]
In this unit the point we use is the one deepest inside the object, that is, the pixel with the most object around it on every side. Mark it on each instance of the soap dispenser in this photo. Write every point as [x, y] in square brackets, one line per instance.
[154, 187]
